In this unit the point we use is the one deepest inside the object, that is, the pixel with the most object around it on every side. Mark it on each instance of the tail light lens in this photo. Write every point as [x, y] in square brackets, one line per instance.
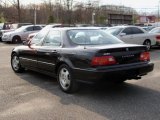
[103, 60]
[158, 37]
[145, 56]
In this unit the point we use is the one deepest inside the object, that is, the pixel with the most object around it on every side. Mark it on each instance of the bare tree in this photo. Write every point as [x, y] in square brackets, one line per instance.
[16, 4]
[69, 5]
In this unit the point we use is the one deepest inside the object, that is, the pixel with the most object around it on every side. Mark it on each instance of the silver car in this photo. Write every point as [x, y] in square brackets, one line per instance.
[133, 35]
[20, 34]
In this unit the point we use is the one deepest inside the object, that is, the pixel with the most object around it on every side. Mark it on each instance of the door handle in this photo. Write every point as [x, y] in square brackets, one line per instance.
[50, 52]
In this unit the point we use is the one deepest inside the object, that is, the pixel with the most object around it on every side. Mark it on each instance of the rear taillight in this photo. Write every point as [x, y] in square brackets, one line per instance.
[145, 56]
[103, 60]
[158, 37]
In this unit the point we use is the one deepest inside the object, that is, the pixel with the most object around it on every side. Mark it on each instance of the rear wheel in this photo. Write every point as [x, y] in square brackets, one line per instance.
[66, 82]
[148, 44]
[15, 63]
[16, 39]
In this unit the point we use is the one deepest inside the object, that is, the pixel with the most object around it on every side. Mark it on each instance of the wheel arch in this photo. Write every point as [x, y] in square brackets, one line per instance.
[14, 52]
[65, 61]
[16, 36]
[147, 40]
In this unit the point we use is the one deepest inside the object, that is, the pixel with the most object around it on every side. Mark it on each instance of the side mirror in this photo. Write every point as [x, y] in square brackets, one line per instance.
[122, 34]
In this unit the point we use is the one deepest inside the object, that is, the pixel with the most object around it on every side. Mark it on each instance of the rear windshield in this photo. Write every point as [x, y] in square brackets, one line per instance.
[91, 37]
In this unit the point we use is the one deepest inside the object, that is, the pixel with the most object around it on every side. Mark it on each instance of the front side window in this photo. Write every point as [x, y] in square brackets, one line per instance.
[37, 28]
[39, 37]
[91, 37]
[128, 31]
[29, 29]
[52, 39]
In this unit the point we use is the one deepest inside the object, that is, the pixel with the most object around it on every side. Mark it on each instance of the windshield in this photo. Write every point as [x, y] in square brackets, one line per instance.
[91, 37]
[114, 31]
[20, 29]
[155, 30]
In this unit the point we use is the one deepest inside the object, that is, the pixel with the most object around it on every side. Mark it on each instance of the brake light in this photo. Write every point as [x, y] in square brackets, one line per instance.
[145, 56]
[158, 37]
[103, 60]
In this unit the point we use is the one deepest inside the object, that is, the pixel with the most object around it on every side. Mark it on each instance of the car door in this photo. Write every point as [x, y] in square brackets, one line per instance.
[28, 55]
[26, 32]
[126, 35]
[36, 28]
[48, 54]
[138, 36]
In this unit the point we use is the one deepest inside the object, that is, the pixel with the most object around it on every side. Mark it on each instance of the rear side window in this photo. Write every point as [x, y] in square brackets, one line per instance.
[137, 30]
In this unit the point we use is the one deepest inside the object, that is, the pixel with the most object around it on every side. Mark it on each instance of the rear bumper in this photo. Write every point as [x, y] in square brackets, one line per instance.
[129, 71]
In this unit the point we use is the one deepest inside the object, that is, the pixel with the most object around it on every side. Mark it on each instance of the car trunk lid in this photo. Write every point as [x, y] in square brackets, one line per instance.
[123, 54]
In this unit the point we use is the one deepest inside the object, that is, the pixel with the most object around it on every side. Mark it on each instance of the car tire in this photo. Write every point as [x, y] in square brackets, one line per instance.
[65, 79]
[15, 63]
[16, 40]
[121, 80]
[148, 44]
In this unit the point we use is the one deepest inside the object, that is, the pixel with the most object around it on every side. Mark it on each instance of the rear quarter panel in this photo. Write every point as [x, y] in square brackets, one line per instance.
[77, 57]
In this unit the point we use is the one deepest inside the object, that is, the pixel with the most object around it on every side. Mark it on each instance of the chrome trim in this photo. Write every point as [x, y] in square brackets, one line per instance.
[46, 63]
[37, 61]
[28, 59]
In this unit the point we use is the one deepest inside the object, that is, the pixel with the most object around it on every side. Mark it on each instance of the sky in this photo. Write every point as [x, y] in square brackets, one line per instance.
[133, 3]
[138, 4]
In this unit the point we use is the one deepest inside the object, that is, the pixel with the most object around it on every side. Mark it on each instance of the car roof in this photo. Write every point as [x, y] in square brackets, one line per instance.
[30, 26]
[125, 26]
[75, 28]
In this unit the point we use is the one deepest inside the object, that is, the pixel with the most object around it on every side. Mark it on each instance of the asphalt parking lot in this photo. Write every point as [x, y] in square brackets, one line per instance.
[32, 96]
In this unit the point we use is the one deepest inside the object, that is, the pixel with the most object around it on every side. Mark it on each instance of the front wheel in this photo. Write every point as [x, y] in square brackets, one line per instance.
[66, 83]
[121, 80]
[148, 44]
[15, 63]
[16, 40]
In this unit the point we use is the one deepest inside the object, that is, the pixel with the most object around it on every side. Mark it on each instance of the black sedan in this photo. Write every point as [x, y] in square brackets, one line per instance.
[81, 54]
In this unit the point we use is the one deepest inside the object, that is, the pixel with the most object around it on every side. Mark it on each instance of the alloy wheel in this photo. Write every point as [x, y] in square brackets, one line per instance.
[15, 63]
[148, 44]
[64, 78]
